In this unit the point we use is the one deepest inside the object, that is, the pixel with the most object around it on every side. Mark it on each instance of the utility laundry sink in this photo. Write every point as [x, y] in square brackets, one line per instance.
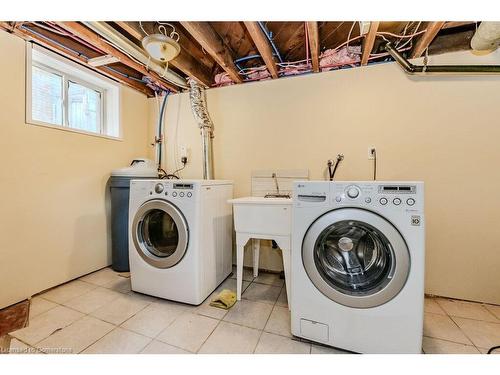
[259, 218]
[262, 215]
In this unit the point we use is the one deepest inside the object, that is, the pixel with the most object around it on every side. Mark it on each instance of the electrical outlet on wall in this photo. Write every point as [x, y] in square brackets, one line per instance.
[371, 152]
[184, 150]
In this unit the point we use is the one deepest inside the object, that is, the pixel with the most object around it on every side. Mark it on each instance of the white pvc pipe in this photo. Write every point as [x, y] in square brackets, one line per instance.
[137, 53]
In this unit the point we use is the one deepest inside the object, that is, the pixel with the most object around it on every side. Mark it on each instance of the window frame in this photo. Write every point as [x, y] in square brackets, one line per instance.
[102, 103]
[105, 128]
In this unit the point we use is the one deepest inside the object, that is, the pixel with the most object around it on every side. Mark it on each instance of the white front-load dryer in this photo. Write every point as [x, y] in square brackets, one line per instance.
[358, 251]
[180, 237]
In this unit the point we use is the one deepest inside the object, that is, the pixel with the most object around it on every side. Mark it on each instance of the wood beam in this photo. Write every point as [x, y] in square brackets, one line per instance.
[185, 62]
[131, 29]
[214, 45]
[369, 41]
[451, 42]
[452, 24]
[427, 38]
[29, 36]
[96, 40]
[313, 36]
[262, 43]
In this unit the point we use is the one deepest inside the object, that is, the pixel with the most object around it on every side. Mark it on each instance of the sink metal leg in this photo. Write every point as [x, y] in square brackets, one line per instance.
[240, 248]
[287, 269]
[256, 252]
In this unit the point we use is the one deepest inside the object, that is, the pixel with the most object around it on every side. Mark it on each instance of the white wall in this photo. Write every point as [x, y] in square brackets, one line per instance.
[442, 130]
[53, 212]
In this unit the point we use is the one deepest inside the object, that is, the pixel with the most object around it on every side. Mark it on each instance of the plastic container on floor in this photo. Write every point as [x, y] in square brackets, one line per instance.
[120, 193]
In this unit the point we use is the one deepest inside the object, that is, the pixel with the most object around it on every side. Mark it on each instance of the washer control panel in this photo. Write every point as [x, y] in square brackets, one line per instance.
[382, 195]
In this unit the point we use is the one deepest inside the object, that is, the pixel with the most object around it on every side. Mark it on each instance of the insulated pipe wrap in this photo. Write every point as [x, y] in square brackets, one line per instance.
[487, 36]
[200, 113]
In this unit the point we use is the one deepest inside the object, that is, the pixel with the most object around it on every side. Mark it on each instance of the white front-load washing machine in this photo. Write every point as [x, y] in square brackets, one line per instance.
[358, 252]
[180, 237]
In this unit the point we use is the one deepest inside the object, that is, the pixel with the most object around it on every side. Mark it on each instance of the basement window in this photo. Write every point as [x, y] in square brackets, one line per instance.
[65, 95]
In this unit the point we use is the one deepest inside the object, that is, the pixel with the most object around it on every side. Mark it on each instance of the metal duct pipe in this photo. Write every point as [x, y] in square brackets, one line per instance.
[410, 68]
[113, 36]
[200, 113]
[487, 37]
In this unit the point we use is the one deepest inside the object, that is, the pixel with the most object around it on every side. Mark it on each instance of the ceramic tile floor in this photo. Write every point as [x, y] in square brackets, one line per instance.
[98, 313]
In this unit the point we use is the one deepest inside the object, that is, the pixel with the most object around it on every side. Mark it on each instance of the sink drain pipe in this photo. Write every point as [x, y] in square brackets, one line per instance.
[197, 97]
[413, 69]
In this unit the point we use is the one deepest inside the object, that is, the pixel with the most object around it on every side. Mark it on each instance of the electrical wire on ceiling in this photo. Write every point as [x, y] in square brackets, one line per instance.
[350, 32]
[303, 66]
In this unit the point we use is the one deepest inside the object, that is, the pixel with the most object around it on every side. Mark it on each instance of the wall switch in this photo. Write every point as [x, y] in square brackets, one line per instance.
[371, 153]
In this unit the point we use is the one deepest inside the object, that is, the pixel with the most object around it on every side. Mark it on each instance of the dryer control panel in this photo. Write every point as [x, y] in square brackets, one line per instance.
[169, 189]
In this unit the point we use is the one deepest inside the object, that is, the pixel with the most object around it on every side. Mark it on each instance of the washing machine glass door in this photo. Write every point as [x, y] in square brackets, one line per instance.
[160, 233]
[356, 257]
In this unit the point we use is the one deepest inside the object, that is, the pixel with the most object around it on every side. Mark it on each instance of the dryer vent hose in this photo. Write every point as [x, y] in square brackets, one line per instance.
[199, 108]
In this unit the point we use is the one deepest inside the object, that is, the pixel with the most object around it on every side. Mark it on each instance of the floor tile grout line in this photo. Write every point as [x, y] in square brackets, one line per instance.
[464, 333]
[472, 303]
[267, 320]
[92, 316]
[211, 333]
[172, 322]
[107, 333]
[196, 313]
[220, 320]
[461, 317]
[53, 307]
[80, 318]
[450, 341]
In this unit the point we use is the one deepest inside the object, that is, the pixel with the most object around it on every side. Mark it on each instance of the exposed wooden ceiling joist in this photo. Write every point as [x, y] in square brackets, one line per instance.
[313, 35]
[130, 28]
[212, 43]
[432, 30]
[262, 44]
[208, 46]
[452, 24]
[369, 41]
[29, 36]
[91, 37]
[184, 61]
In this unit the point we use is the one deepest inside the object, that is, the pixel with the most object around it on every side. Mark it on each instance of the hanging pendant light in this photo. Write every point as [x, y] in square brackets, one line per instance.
[162, 47]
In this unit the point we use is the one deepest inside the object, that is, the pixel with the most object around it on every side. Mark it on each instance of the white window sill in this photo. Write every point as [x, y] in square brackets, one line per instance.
[71, 130]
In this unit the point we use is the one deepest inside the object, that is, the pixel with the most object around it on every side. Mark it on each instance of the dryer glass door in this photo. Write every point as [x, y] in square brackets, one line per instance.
[356, 258]
[160, 233]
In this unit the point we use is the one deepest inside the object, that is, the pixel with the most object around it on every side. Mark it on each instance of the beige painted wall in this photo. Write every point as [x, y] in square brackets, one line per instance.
[53, 213]
[442, 130]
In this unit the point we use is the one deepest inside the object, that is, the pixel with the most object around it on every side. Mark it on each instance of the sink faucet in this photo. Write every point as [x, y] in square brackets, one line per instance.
[276, 182]
[277, 195]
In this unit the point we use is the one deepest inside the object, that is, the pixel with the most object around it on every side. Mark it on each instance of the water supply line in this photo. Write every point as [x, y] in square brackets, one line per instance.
[159, 135]
[270, 39]
[135, 52]
[197, 97]
[333, 165]
[425, 69]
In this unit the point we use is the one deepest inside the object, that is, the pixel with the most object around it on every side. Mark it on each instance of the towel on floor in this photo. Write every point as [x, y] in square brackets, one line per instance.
[224, 300]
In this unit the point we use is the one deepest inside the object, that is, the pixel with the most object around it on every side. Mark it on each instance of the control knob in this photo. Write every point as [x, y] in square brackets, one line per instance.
[159, 188]
[352, 192]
